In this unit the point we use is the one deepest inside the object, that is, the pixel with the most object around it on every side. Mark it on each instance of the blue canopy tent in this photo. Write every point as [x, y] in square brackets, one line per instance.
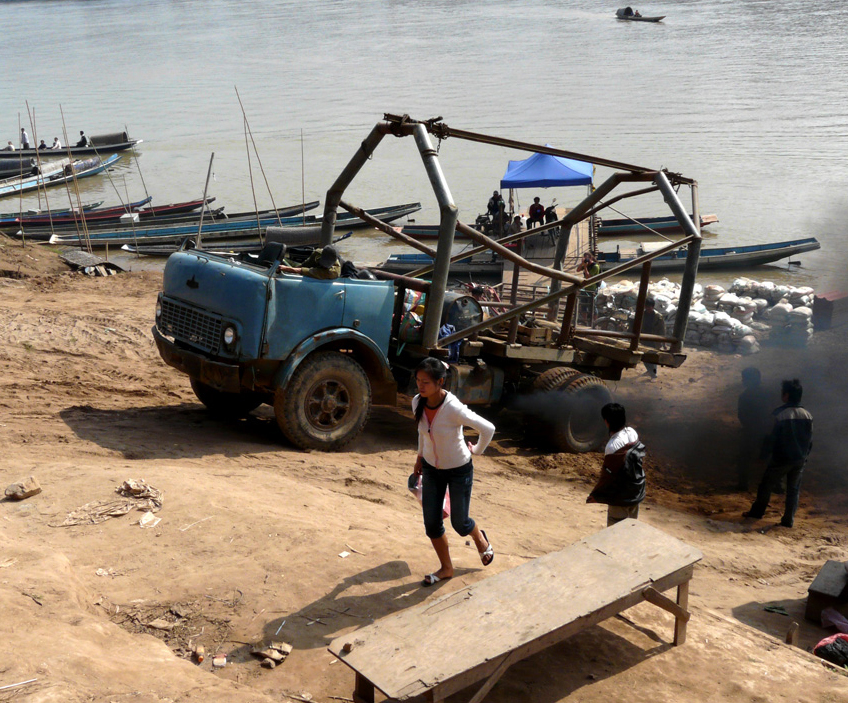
[545, 171]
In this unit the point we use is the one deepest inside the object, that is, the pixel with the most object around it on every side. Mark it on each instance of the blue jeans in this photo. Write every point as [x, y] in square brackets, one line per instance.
[771, 481]
[434, 483]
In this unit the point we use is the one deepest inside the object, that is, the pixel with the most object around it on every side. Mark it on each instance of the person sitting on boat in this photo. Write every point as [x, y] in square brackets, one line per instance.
[83, 140]
[9, 147]
[515, 225]
[536, 213]
[56, 143]
[42, 145]
[496, 205]
[323, 263]
[636, 13]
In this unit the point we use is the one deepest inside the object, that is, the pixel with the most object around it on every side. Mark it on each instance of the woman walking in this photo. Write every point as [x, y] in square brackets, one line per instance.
[444, 459]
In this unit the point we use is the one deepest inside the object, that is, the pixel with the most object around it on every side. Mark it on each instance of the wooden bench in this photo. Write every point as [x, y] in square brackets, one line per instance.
[430, 651]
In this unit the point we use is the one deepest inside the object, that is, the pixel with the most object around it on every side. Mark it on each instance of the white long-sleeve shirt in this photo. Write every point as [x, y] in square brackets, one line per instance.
[442, 444]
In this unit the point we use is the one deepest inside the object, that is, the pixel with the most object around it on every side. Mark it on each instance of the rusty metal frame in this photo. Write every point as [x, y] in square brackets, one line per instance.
[663, 181]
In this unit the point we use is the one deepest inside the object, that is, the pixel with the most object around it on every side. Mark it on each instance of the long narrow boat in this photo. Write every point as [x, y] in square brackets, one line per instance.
[714, 259]
[78, 169]
[480, 265]
[221, 249]
[219, 229]
[97, 145]
[111, 216]
[86, 207]
[637, 226]
[58, 217]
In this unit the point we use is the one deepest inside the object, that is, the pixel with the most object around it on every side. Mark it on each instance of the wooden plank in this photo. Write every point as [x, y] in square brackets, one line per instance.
[613, 351]
[524, 609]
[502, 348]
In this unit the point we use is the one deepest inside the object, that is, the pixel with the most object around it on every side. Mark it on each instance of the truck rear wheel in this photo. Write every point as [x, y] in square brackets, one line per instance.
[579, 427]
[225, 404]
[326, 403]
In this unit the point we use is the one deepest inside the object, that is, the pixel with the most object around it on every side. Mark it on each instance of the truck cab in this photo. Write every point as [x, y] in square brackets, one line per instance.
[316, 350]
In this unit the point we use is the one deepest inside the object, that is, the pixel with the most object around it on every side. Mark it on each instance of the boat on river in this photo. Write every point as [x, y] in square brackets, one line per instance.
[82, 168]
[474, 265]
[292, 231]
[712, 259]
[97, 145]
[628, 13]
[639, 225]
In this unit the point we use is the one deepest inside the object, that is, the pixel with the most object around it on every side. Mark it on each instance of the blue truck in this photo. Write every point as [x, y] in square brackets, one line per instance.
[322, 352]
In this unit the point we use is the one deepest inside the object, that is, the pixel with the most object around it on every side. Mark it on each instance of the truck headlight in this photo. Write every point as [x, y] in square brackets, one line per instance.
[158, 309]
[229, 336]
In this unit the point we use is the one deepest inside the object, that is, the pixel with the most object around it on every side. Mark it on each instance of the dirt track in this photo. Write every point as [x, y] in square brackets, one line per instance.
[251, 528]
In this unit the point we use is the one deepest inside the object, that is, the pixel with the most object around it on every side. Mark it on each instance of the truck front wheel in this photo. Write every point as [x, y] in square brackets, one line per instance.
[326, 403]
[225, 404]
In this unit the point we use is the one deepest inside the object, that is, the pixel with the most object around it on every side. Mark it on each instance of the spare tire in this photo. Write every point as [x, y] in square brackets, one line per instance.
[555, 378]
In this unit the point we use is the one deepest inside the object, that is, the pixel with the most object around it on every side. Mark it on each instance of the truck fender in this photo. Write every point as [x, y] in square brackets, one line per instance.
[366, 353]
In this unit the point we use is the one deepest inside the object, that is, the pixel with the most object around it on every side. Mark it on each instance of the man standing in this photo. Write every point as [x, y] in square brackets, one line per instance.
[24, 139]
[622, 482]
[652, 323]
[786, 448]
[754, 418]
[496, 205]
[536, 213]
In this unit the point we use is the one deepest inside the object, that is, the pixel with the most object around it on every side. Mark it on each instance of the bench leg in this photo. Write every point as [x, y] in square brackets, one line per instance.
[364, 690]
[680, 623]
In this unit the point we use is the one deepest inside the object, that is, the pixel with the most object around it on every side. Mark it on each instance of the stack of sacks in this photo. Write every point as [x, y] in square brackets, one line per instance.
[786, 309]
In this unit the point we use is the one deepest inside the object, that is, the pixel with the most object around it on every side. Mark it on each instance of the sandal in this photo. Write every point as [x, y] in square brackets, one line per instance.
[432, 579]
[487, 556]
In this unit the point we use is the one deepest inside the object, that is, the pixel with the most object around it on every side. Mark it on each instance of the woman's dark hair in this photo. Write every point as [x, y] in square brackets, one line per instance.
[793, 390]
[615, 416]
[436, 370]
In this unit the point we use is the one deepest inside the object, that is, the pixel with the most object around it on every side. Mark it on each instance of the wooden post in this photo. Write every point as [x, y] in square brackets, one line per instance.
[364, 691]
[513, 296]
[680, 624]
[640, 304]
[567, 319]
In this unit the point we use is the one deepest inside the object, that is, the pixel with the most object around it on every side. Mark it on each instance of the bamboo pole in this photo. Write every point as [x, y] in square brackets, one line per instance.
[258, 159]
[21, 191]
[198, 240]
[140, 174]
[252, 188]
[85, 234]
[302, 179]
[38, 163]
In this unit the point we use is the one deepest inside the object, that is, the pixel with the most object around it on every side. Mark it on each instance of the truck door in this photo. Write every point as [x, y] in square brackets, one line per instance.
[298, 307]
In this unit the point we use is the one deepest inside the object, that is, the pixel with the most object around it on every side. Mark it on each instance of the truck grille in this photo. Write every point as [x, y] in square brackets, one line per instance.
[190, 325]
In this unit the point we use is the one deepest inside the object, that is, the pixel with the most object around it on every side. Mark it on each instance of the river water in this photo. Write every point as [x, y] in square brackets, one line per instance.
[746, 96]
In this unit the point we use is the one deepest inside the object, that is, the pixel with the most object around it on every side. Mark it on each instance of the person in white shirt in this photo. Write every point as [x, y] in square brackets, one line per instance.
[9, 147]
[24, 139]
[56, 143]
[622, 482]
[444, 462]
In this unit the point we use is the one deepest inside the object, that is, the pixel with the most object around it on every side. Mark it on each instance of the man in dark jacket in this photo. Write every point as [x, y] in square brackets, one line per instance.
[786, 448]
[622, 482]
[652, 323]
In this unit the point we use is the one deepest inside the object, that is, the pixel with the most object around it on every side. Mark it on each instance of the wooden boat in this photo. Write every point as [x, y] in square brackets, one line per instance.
[663, 225]
[97, 145]
[107, 216]
[59, 217]
[86, 207]
[713, 259]
[478, 265]
[627, 13]
[218, 248]
[247, 228]
[78, 169]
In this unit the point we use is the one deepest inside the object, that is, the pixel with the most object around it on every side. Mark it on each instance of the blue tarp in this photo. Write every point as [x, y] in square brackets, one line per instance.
[545, 171]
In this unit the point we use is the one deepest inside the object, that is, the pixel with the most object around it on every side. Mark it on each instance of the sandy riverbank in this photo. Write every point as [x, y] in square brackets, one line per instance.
[251, 528]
